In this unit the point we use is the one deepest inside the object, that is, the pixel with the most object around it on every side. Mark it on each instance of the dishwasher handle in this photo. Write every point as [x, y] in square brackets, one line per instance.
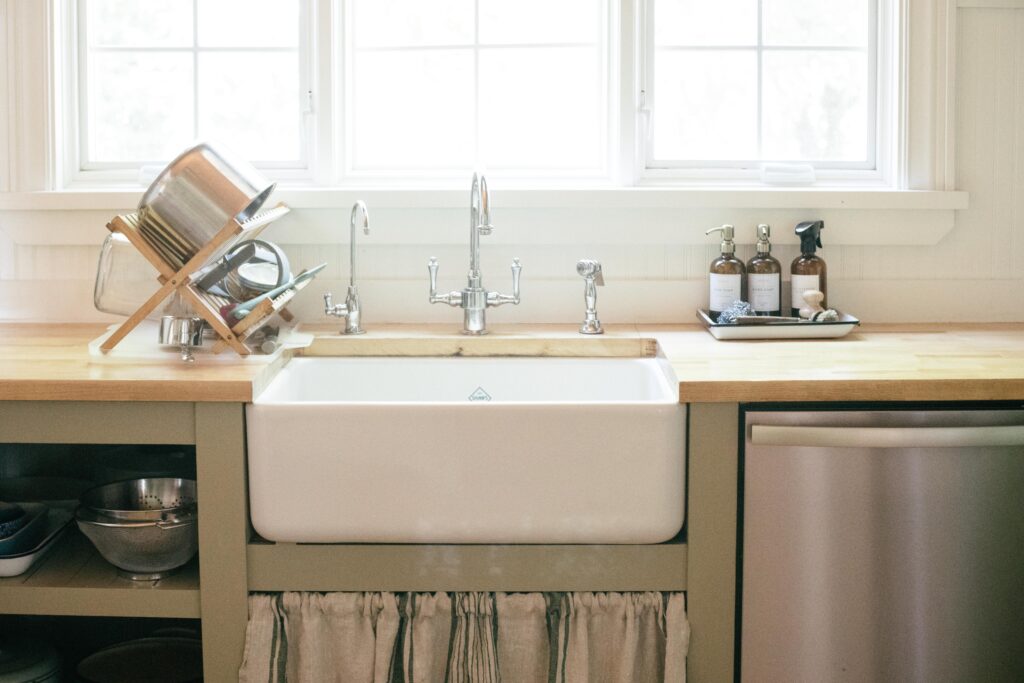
[887, 437]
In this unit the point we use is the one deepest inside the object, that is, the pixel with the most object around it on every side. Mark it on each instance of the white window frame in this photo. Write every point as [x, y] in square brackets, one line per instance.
[880, 170]
[78, 170]
[35, 85]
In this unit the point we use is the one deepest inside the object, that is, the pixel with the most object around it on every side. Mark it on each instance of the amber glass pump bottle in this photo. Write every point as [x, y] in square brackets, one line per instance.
[726, 281]
[764, 276]
[808, 270]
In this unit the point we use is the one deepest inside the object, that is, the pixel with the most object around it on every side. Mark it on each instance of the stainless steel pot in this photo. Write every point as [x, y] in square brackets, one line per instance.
[197, 193]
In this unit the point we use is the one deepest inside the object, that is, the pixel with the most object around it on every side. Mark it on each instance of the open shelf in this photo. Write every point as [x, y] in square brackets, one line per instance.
[73, 579]
[410, 567]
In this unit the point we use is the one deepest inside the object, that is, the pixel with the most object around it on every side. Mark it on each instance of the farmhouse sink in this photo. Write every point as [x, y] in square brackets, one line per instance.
[468, 450]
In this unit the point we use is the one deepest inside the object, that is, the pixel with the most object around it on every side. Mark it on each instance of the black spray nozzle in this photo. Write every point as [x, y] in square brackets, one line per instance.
[809, 233]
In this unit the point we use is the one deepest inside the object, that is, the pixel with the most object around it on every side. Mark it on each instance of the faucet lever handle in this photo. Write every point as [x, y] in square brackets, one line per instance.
[516, 270]
[432, 268]
[451, 298]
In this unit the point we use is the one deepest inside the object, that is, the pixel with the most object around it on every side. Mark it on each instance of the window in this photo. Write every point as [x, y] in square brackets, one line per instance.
[614, 91]
[736, 83]
[154, 76]
[448, 85]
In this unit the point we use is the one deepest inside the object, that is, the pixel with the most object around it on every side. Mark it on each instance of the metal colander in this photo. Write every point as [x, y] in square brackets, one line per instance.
[149, 499]
[143, 550]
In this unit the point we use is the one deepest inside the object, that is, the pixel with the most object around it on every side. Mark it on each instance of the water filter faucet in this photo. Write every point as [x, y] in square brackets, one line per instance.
[593, 278]
[351, 310]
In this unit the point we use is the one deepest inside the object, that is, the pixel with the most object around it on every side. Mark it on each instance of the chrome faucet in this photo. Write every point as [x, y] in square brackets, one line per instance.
[474, 300]
[351, 310]
[593, 278]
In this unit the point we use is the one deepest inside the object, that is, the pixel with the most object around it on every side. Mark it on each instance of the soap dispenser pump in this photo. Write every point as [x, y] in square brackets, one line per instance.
[808, 271]
[764, 276]
[726, 282]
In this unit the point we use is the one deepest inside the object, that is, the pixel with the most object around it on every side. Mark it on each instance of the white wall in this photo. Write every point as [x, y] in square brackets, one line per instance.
[975, 273]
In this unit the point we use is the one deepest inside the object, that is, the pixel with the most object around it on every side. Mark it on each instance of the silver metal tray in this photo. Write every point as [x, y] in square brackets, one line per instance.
[802, 330]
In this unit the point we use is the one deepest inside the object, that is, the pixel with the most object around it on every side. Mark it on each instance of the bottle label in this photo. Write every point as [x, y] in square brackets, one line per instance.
[764, 291]
[724, 289]
[801, 283]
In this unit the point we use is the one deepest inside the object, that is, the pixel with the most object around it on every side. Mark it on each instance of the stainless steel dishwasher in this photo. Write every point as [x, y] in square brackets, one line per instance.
[882, 545]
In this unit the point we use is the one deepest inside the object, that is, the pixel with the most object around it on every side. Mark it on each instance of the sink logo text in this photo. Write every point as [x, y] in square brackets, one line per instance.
[479, 395]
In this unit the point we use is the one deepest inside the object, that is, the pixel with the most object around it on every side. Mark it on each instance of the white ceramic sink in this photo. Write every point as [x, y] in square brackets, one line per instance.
[468, 450]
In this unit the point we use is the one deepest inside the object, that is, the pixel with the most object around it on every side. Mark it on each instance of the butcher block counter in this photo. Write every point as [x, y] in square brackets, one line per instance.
[924, 362]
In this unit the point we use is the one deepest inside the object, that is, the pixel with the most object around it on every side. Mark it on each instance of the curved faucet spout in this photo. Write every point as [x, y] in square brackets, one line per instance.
[359, 215]
[479, 221]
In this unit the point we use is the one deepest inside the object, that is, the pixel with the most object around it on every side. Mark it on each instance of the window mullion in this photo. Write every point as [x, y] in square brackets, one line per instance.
[476, 82]
[195, 68]
[760, 79]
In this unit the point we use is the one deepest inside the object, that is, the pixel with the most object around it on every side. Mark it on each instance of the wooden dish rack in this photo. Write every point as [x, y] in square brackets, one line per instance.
[178, 277]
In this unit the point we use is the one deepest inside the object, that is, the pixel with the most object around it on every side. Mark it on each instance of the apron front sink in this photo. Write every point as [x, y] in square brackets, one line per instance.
[468, 450]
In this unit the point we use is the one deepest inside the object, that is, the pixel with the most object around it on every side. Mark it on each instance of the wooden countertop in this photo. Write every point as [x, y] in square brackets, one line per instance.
[51, 362]
[873, 363]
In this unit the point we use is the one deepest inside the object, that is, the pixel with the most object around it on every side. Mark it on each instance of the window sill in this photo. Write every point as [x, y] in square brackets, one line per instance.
[520, 197]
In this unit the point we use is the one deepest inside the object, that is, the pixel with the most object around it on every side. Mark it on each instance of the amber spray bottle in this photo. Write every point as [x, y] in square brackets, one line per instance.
[808, 270]
[726, 281]
[764, 276]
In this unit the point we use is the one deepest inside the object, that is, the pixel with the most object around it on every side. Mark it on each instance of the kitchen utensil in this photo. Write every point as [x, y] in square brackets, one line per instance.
[24, 660]
[142, 550]
[184, 332]
[765, 319]
[154, 660]
[56, 522]
[234, 258]
[269, 268]
[239, 311]
[148, 499]
[124, 279]
[32, 529]
[195, 196]
[12, 518]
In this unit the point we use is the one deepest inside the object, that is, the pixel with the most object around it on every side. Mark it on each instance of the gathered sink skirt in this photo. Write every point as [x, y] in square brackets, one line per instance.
[466, 638]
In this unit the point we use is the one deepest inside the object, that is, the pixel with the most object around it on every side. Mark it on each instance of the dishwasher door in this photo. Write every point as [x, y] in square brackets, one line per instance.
[882, 546]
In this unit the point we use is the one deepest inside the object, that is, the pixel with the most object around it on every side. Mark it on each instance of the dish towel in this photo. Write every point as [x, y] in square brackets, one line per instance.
[466, 638]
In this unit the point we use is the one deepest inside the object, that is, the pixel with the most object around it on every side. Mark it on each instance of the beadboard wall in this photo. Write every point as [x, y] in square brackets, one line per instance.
[975, 273]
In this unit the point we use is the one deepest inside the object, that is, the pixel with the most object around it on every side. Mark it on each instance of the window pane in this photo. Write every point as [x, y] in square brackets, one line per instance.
[250, 102]
[139, 105]
[815, 106]
[540, 21]
[814, 22]
[248, 23]
[540, 108]
[413, 109]
[156, 23]
[412, 23]
[704, 22]
[706, 105]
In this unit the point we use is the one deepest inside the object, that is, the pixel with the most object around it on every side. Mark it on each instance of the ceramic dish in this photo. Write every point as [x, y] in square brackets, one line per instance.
[28, 535]
[57, 522]
[803, 330]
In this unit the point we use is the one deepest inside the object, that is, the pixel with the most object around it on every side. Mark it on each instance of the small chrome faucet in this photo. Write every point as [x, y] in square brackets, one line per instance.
[593, 278]
[351, 310]
[474, 300]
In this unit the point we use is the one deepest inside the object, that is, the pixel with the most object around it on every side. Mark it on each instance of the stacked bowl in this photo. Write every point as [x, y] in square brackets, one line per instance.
[144, 527]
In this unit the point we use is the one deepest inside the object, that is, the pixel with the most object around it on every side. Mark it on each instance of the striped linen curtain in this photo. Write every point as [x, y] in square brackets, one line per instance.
[466, 638]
